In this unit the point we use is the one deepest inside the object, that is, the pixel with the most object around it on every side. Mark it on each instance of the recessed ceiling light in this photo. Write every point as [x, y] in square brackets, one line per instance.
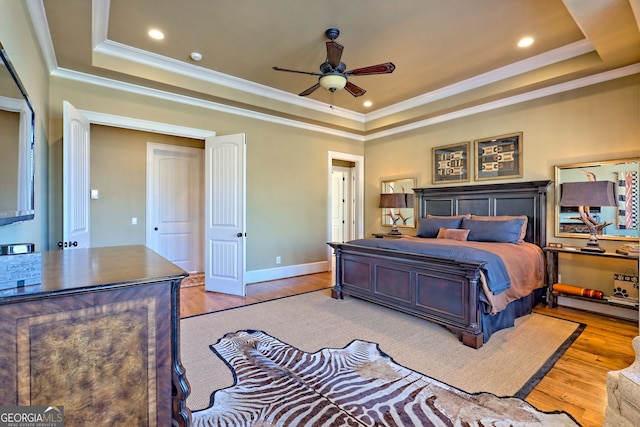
[196, 56]
[367, 103]
[525, 42]
[156, 34]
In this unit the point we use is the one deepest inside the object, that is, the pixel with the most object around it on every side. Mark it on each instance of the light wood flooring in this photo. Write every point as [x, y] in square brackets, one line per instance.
[576, 384]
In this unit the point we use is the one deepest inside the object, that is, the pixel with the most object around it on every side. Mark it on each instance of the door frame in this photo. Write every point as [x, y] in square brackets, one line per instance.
[347, 203]
[358, 215]
[105, 119]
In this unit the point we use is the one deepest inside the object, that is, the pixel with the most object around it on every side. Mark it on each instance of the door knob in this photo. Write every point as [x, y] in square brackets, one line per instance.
[239, 235]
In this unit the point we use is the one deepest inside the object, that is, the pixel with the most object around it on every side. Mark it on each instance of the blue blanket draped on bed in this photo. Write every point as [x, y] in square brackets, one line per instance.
[494, 269]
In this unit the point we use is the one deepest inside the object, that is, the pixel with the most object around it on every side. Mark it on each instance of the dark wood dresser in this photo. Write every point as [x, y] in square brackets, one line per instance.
[99, 336]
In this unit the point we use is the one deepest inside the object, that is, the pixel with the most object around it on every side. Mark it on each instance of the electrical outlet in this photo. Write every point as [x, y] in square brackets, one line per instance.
[278, 260]
[134, 221]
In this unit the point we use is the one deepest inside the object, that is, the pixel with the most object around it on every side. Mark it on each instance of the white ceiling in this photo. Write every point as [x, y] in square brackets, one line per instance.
[451, 56]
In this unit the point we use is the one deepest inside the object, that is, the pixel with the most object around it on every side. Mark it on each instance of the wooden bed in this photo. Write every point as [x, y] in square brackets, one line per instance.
[443, 290]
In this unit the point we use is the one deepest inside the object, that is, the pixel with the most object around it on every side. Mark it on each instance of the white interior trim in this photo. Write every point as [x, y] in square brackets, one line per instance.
[359, 193]
[100, 16]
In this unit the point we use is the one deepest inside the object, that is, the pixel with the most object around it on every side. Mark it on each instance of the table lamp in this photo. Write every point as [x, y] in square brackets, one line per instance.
[589, 194]
[398, 201]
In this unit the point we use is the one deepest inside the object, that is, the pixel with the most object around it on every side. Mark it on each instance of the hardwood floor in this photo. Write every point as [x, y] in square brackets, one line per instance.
[576, 384]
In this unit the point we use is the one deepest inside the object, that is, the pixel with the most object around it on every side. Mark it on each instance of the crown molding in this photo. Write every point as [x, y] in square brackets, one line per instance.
[150, 59]
[560, 54]
[40, 25]
[107, 47]
[187, 100]
[512, 100]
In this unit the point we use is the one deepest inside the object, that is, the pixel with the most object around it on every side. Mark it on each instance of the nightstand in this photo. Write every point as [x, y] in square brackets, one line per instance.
[388, 236]
[602, 306]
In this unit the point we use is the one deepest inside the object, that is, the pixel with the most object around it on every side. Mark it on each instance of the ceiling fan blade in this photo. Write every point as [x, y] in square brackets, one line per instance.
[385, 68]
[297, 71]
[334, 53]
[310, 90]
[354, 90]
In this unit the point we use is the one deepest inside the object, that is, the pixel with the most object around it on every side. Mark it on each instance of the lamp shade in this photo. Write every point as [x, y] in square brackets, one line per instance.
[588, 193]
[396, 200]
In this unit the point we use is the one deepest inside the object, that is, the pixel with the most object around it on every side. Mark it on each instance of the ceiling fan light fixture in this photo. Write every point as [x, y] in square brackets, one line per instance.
[333, 82]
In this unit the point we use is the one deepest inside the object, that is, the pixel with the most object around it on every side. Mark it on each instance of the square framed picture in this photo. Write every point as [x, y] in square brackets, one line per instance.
[499, 157]
[451, 163]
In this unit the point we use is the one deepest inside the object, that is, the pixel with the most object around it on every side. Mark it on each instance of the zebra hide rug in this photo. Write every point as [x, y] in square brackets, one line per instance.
[278, 385]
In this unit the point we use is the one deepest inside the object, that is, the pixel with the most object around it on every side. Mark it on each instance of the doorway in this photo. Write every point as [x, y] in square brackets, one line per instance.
[354, 206]
[342, 201]
[96, 118]
[175, 204]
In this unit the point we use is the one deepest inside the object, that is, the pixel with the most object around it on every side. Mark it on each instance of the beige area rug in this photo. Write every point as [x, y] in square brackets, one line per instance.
[313, 321]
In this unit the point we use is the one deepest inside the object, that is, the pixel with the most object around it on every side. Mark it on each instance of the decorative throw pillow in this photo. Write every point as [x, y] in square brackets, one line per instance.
[493, 231]
[523, 231]
[429, 227]
[453, 233]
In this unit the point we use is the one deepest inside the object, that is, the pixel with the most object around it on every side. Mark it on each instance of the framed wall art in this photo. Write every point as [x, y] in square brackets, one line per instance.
[499, 157]
[451, 163]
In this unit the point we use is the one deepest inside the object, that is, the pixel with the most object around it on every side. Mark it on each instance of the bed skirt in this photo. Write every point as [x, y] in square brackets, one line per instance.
[506, 318]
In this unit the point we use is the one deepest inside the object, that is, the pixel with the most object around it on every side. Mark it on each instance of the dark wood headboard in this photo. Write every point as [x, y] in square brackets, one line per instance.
[514, 198]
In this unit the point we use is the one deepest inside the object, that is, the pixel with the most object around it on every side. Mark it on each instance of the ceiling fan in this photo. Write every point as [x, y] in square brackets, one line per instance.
[333, 75]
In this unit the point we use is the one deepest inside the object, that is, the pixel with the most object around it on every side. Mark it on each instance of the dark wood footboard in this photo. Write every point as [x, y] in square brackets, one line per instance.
[440, 290]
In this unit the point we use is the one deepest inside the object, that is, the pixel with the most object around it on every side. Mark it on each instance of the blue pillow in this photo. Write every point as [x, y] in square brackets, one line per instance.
[429, 227]
[493, 231]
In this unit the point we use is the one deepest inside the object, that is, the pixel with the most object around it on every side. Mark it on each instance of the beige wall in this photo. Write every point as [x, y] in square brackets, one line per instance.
[118, 172]
[286, 170]
[18, 41]
[588, 124]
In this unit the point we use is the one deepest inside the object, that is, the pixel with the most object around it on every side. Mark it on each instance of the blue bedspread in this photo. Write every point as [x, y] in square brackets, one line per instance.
[494, 270]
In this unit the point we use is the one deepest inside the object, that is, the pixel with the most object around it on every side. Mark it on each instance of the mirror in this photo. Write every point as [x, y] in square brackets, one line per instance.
[398, 215]
[17, 122]
[623, 217]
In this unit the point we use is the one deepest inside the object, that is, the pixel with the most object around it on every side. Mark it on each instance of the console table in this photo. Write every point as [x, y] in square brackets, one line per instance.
[99, 336]
[596, 305]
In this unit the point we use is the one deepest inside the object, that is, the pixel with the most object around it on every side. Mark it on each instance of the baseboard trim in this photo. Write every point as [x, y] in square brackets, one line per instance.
[256, 276]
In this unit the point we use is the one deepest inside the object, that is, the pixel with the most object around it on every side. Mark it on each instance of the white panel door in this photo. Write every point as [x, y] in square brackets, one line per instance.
[225, 214]
[339, 226]
[75, 179]
[174, 204]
